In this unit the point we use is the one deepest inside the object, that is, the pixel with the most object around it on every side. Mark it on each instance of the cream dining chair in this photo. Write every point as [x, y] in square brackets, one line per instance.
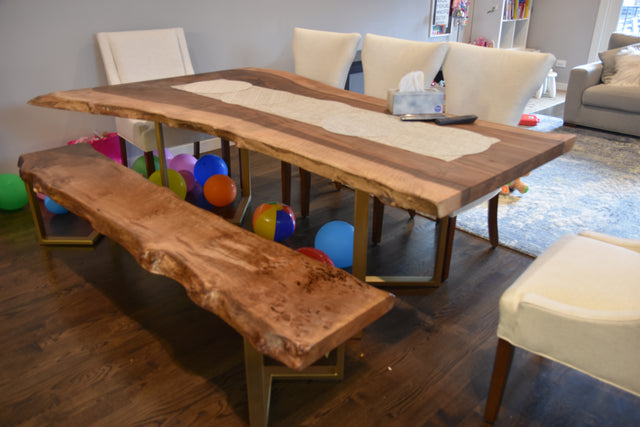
[495, 85]
[133, 56]
[385, 60]
[577, 304]
[324, 56]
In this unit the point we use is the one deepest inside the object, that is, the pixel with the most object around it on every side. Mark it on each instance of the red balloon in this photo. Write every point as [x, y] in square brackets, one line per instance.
[316, 254]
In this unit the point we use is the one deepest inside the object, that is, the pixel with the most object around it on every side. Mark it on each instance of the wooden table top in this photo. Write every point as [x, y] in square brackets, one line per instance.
[398, 177]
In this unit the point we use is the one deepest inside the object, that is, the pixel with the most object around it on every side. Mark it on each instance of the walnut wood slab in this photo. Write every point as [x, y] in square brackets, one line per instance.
[289, 306]
[398, 177]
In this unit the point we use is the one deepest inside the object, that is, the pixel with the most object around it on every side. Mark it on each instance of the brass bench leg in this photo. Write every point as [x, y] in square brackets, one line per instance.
[43, 238]
[259, 378]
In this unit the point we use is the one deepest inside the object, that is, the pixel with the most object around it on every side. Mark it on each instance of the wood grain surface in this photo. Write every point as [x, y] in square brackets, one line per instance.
[289, 306]
[398, 177]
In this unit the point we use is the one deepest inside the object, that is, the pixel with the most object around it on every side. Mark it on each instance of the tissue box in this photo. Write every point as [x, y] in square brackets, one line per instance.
[427, 102]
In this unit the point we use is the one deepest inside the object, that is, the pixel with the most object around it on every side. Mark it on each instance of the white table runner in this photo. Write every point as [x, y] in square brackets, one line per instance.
[444, 143]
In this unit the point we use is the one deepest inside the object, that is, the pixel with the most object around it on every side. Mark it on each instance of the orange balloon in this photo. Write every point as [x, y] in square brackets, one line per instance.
[220, 190]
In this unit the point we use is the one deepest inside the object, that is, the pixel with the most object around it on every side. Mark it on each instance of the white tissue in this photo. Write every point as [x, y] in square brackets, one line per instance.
[412, 82]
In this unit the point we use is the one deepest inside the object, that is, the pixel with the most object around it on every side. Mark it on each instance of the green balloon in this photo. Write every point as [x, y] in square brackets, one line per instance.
[13, 193]
[141, 167]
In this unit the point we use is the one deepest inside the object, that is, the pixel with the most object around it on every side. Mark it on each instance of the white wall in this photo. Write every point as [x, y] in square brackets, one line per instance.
[48, 45]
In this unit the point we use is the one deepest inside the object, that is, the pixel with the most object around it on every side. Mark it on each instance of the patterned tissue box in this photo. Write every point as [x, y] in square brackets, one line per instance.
[427, 102]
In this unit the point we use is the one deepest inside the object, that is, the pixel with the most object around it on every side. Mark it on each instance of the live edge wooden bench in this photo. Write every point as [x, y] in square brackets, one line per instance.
[286, 305]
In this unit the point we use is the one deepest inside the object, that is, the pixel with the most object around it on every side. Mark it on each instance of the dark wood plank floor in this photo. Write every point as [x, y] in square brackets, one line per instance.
[87, 337]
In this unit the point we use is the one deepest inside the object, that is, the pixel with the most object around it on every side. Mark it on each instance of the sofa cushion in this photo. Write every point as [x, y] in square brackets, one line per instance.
[608, 58]
[623, 98]
[627, 68]
[621, 40]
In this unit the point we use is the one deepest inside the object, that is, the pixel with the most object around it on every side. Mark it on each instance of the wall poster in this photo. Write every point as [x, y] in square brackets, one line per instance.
[440, 18]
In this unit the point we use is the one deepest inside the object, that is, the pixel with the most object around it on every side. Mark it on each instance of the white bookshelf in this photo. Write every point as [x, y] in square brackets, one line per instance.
[496, 20]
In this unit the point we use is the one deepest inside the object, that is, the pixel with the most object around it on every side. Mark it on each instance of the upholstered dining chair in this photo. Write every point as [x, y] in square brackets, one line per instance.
[502, 82]
[133, 56]
[577, 304]
[385, 60]
[324, 56]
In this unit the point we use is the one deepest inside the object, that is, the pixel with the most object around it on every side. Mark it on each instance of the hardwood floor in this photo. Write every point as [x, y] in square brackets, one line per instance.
[90, 338]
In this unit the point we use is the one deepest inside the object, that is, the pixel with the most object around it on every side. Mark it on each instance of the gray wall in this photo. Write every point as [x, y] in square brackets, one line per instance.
[49, 45]
[564, 28]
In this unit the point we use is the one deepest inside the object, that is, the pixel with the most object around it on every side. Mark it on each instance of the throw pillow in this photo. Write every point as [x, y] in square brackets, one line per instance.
[627, 68]
[608, 58]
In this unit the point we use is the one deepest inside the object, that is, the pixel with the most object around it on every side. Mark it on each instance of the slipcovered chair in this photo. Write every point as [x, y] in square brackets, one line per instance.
[502, 83]
[324, 56]
[385, 60]
[577, 304]
[133, 56]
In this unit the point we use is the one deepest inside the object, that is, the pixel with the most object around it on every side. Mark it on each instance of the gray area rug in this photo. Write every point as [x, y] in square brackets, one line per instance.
[596, 186]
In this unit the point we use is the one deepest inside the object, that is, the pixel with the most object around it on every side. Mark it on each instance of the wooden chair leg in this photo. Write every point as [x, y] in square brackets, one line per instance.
[285, 172]
[501, 366]
[226, 153]
[123, 152]
[196, 149]
[451, 230]
[149, 162]
[305, 191]
[493, 221]
[376, 222]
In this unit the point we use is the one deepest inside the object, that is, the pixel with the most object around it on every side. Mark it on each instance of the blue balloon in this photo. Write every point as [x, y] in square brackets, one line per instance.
[335, 239]
[54, 207]
[207, 166]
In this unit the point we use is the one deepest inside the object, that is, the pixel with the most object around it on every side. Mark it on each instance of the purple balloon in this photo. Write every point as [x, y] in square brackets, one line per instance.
[183, 162]
[167, 154]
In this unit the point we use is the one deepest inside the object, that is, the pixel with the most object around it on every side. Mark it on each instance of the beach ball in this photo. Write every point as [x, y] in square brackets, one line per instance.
[176, 182]
[54, 207]
[183, 162]
[13, 193]
[220, 190]
[207, 166]
[274, 221]
[335, 239]
[316, 254]
[140, 166]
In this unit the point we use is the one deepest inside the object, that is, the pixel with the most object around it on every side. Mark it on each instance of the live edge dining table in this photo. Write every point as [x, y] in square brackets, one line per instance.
[344, 136]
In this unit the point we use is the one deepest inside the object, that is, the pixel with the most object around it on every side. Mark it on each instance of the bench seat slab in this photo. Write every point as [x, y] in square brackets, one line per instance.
[288, 306]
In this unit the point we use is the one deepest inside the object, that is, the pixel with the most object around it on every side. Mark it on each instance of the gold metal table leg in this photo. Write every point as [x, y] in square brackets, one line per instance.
[260, 376]
[360, 234]
[161, 155]
[245, 184]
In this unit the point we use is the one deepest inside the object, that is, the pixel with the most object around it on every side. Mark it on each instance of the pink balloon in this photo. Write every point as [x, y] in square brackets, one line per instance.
[183, 162]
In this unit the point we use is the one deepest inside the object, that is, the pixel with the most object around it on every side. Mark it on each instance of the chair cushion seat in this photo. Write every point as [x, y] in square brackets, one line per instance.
[579, 304]
[142, 134]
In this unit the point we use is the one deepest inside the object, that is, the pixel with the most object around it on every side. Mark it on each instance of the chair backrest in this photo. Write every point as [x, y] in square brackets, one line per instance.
[385, 60]
[132, 56]
[324, 55]
[494, 84]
